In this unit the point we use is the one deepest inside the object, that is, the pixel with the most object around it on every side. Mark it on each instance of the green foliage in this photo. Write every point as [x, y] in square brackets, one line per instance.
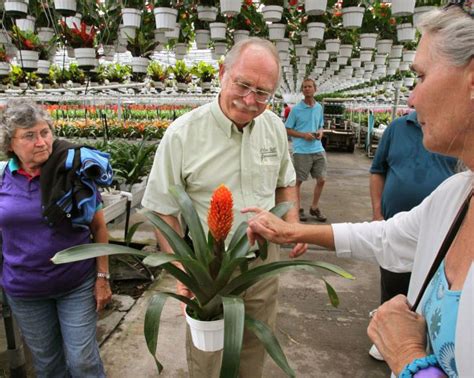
[79, 36]
[141, 45]
[181, 72]
[3, 54]
[137, 4]
[25, 40]
[76, 74]
[156, 71]
[352, 3]
[204, 71]
[58, 75]
[110, 19]
[117, 72]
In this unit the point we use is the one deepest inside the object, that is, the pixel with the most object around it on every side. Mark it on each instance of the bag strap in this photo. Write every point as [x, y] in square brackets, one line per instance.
[443, 250]
[3, 166]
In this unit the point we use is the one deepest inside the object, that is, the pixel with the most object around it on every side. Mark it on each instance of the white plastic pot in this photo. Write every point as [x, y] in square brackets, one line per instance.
[380, 59]
[240, 35]
[283, 44]
[131, 17]
[316, 31]
[409, 56]
[174, 33]
[403, 7]
[43, 67]
[85, 57]
[45, 34]
[408, 81]
[315, 7]
[160, 37]
[394, 63]
[65, 7]
[202, 38]
[26, 24]
[323, 55]
[73, 21]
[276, 31]
[139, 64]
[218, 30]
[28, 59]
[384, 46]
[366, 55]
[165, 18]
[367, 41]
[182, 87]
[272, 13]
[355, 62]
[4, 68]
[206, 336]
[332, 45]
[206, 13]
[284, 55]
[181, 49]
[230, 7]
[301, 50]
[220, 48]
[406, 32]
[342, 60]
[16, 8]
[396, 51]
[352, 17]
[345, 50]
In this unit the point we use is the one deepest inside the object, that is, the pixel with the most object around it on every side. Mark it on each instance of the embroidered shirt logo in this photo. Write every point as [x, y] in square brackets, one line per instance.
[268, 153]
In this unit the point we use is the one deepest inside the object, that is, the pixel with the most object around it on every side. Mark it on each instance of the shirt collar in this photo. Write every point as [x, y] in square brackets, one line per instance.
[14, 167]
[412, 118]
[224, 123]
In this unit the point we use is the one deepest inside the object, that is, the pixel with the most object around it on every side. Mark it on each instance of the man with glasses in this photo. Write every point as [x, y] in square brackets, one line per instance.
[305, 126]
[234, 141]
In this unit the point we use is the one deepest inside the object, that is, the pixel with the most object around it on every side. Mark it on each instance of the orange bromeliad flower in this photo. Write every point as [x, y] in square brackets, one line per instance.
[220, 215]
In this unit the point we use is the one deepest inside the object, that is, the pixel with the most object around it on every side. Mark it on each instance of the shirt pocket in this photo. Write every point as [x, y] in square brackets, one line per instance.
[266, 178]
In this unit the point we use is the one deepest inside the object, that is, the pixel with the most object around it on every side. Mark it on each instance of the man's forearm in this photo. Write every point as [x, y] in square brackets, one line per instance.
[377, 183]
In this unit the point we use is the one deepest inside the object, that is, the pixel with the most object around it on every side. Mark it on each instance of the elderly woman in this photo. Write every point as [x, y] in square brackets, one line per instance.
[55, 305]
[435, 338]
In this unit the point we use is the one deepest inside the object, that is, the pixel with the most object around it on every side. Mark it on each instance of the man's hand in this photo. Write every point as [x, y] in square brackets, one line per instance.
[102, 293]
[309, 137]
[298, 250]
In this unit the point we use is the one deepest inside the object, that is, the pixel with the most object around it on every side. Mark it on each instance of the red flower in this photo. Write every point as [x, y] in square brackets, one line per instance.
[248, 2]
[293, 2]
[220, 215]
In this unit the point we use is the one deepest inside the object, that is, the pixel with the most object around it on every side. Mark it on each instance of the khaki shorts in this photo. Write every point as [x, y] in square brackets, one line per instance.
[310, 163]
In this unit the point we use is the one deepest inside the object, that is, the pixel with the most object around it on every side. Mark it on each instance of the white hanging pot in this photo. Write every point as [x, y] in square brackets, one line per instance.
[139, 64]
[380, 59]
[179, 56]
[26, 24]
[174, 33]
[160, 37]
[397, 84]
[404, 66]
[315, 7]
[85, 57]
[131, 17]
[158, 85]
[366, 55]
[352, 17]
[305, 41]
[369, 66]
[384, 46]
[408, 81]
[109, 198]
[321, 63]
[205, 86]
[323, 55]
[16, 8]
[284, 55]
[28, 59]
[419, 11]
[206, 13]
[301, 50]
[405, 32]
[403, 7]
[220, 48]
[276, 31]
[345, 50]
[342, 60]
[73, 21]
[240, 35]
[316, 31]
[202, 38]
[409, 56]
[272, 13]
[355, 62]
[183, 87]
[305, 60]
[332, 45]
[206, 336]
[109, 52]
[218, 30]
[181, 49]
[45, 34]
[396, 51]
[65, 7]
[4, 68]
[283, 44]
[5, 37]
[394, 63]
[43, 67]
[230, 7]
[165, 18]
[368, 40]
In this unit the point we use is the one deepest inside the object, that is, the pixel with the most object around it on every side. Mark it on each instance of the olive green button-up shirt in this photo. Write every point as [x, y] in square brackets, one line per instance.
[204, 149]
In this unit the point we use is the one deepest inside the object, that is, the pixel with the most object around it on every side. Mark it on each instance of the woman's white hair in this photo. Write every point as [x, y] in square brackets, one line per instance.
[453, 32]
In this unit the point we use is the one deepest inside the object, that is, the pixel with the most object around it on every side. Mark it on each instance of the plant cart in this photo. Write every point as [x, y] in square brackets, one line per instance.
[338, 134]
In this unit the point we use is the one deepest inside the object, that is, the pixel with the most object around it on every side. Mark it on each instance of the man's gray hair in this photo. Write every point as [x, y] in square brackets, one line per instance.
[20, 114]
[453, 32]
[236, 51]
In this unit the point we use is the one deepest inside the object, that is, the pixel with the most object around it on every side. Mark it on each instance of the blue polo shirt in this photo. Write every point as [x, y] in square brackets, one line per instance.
[411, 172]
[29, 243]
[306, 119]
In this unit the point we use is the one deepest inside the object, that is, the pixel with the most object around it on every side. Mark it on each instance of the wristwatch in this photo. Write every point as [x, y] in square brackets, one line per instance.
[103, 275]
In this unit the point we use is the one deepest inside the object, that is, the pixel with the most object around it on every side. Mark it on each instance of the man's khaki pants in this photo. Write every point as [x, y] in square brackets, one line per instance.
[260, 303]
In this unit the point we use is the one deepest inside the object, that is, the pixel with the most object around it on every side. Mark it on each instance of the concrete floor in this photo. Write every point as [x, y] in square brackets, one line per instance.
[319, 340]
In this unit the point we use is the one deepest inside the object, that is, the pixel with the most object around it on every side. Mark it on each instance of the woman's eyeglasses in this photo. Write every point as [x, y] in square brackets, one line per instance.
[31, 137]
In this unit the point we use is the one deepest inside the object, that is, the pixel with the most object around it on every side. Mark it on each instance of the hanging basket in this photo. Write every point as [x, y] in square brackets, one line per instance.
[73, 21]
[409, 56]
[218, 30]
[384, 46]
[380, 59]
[45, 34]
[315, 7]
[26, 24]
[345, 50]
[131, 17]
[206, 13]
[139, 64]
[85, 57]
[165, 18]
[321, 63]
[206, 336]
[16, 8]
[272, 13]
[174, 33]
[43, 67]
[181, 49]
[202, 38]
[406, 32]
[367, 41]
[28, 59]
[301, 50]
[342, 60]
[408, 81]
[403, 7]
[316, 31]
[240, 35]
[396, 51]
[394, 63]
[332, 45]
[276, 31]
[323, 55]
[352, 17]
[284, 55]
[230, 7]
[4, 69]
[65, 7]
[366, 55]
[355, 62]
[160, 37]
[283, 44]
[220, 48]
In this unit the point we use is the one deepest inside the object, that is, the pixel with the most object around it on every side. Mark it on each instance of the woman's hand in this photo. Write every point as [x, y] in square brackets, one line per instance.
[398, 333]
[182, 289]
[266, 226]
[102, 293]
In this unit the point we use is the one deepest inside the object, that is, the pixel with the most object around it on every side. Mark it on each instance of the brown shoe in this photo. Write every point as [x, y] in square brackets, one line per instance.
[317, 214]
[303, 217]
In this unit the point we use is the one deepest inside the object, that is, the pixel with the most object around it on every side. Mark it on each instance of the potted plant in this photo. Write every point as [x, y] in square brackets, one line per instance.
[408, 78]
[118, 73]
[108, 28]
[218, 28]
[182, 75]
[202, 34]
[352, 13]
[82, 38]
[46, 54]
[409, 51]
[165, 15]
[368, 30]
[316, 25]
[28, 45]
[385, 27]
[315, 7]
[141, 47]
[405, 29]
[158, 74]
[403, 7]
[272, 10]
[217, 274]
[207, 10]
[206, 73]
[45, 22]
[76, 74]
[131, 12]
[4, 62]
[230, 8]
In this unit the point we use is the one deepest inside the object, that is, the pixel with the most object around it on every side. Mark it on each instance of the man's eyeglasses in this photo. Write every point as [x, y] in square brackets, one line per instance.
[32, 137]
[242, 90]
